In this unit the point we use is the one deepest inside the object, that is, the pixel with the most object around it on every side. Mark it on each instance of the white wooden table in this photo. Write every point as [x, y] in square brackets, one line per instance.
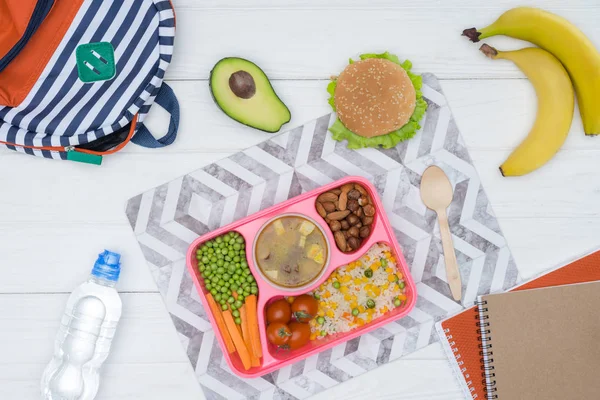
[52, 228]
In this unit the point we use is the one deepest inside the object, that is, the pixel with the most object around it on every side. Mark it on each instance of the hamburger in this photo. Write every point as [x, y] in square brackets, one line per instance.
[378, 102]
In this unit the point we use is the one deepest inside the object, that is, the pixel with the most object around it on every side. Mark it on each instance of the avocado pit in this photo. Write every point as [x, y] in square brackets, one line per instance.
[242, 84]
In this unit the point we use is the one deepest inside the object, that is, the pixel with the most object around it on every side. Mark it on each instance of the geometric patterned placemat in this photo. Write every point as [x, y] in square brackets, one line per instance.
[168, 218]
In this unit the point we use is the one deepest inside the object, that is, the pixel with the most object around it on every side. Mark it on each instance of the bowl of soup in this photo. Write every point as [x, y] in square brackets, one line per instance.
[291, 251]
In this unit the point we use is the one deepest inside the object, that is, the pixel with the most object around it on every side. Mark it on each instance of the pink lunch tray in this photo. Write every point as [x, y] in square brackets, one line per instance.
[305, 205]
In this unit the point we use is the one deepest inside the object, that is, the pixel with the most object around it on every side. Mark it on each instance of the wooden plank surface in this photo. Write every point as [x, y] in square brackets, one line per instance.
[51, 228]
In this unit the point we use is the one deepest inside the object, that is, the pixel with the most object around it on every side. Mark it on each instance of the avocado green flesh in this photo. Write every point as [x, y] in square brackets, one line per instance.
[264, 110]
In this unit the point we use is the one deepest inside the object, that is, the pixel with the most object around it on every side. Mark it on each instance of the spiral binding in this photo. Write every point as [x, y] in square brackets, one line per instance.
[485, 350]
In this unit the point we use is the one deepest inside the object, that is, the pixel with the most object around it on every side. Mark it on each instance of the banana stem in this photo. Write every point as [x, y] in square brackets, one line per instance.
[472, 34]
[489, 51]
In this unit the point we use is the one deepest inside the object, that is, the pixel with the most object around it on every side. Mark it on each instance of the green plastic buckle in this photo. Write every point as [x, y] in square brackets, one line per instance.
[95, 62]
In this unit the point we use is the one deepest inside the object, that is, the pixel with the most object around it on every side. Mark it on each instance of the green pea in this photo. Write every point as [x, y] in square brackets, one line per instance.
[383, 261]
[213, 259]
[234, 286]
[215, 279]
[250, 279]
[223, 302]
[230, 300]
[355, 311]
[230, 281]
[242, 253]
[220, 270]
[203, 275]
[226, 276]
[241, 297]
[227, 258]
[246, 272]
[201, 267]
[322, 333]
[236, 259]
[238, 273]
[221, 282]
[213, 291]
[231, 269]
[246, 293]
[205, 260]
[236, 313]
[233, 307]
[209, 244]
[336, 284]
[369, 273]
[208, 286]
[214, 266]
[244, 264]
[401, 285]
[397, 302]
[218, 297]
[240, 240]
[254, 290]
[238, 321]
[226, 285]
[218, 239]
[320, 320]
[224, 290]
[211, 251]
[238, 303]
[371, 303]
[220, 263]
[245, 285]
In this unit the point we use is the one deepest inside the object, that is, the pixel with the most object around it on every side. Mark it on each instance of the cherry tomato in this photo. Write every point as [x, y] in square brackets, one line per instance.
[278, 333]
[305, 308]
[279, 311]
[300, 335]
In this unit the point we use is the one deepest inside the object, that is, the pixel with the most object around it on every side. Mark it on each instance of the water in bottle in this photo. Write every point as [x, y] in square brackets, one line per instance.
[85, 334]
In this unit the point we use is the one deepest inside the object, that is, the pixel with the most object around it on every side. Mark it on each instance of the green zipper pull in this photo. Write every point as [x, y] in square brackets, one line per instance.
[74, 155]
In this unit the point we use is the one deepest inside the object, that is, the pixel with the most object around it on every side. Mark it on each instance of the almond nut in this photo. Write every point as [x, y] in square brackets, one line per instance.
[328, 206]
[327, 196]
[340, 240]
[321, 209]
[347, 187]
[338, 215]
[336, 191]
[343, 202]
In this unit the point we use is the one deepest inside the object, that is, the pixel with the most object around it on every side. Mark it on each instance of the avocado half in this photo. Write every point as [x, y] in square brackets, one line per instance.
[242, 90]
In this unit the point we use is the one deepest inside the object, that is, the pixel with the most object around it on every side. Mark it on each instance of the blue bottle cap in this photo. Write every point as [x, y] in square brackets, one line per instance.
[107, 266]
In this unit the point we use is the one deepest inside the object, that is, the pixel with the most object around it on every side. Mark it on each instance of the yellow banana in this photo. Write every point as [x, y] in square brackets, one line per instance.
[566, 42]
[556, 101]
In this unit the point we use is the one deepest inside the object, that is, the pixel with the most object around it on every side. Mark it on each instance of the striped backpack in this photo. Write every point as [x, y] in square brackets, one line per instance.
[78, 77]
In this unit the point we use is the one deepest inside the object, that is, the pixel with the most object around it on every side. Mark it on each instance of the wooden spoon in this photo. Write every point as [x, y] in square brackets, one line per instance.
[436, 193]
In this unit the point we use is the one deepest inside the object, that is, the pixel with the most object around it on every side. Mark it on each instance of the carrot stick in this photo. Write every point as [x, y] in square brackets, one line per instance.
[220, 323]
[251, 310]
[246, 335]
[240, 346]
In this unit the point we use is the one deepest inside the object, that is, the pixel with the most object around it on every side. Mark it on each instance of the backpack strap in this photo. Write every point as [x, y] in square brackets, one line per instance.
[167, 100]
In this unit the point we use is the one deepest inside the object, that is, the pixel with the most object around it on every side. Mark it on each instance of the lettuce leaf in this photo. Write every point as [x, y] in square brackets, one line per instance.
[340, 132]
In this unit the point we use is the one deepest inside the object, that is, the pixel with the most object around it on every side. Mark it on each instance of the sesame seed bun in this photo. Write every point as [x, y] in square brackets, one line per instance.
[374, 97]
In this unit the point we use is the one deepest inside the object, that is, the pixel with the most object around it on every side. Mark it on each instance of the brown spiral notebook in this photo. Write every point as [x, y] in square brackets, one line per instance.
[542, 343]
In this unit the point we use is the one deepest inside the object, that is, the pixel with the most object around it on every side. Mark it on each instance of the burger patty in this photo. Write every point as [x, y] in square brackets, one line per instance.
[374, 97]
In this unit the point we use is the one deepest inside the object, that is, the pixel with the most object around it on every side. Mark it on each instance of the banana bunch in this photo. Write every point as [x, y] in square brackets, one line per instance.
[567, 53]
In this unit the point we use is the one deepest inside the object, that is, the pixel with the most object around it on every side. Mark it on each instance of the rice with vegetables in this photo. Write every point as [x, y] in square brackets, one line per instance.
[358, 293]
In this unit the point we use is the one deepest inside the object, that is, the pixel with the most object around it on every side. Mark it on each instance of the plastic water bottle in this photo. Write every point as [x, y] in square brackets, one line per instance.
[86, 331]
